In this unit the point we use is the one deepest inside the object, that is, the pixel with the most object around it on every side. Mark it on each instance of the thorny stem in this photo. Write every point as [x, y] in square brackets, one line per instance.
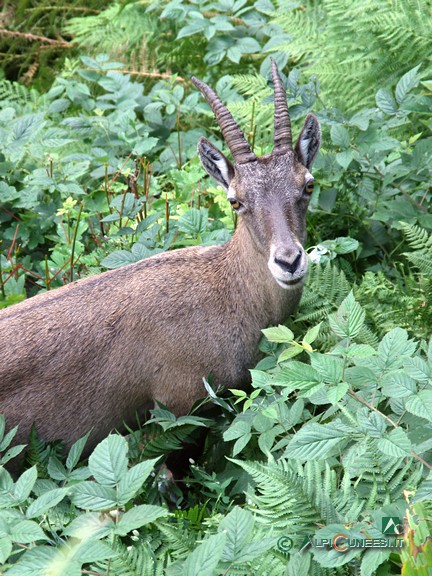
[34, 37]
[74, 242]
[1, 275]
[47, 277]
[179, 138]
[166, 214]
[12, 246]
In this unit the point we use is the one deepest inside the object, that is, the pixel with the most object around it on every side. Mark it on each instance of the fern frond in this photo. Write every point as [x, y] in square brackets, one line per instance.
[387, 43]
[421, 241]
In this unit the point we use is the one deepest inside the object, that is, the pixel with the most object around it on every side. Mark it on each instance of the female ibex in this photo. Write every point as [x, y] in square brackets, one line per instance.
[92, 353]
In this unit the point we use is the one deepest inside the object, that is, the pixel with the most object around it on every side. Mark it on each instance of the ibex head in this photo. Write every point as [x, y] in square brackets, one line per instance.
[270, 193]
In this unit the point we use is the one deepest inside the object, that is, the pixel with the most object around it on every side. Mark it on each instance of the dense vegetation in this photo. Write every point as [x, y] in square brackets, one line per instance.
[98, 130]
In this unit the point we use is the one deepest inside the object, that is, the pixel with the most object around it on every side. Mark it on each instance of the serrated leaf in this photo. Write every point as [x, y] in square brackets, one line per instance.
[109, 460]
[241, 443]
[118, 259]
[89, 525]
[56, 470]
[76, 451]
[48, 500]
[205, 558]
[24, 484]
[336, 392]
[340, 136]
[5, 549]
[371, 559]
[194, 222]
[92, 496]
[420, 404]
[312, 334]
[349, 318]
[398, 384]
[396, 443]
[280, 334]
[139, 516]
[408, 81]
[298, 375]
[238, 525]
[27, 531]
[134, 478]
[315, 442]
[394, 348]
[385, 101]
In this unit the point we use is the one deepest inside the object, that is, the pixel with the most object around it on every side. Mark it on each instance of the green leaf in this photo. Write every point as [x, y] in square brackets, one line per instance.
[238, 524]
[340, 136]
[24, 484]
[299, 564]
[408, 81]
[27, 531]
[241, 443]
[133, 480]
[298, 375]
[316, 442]
[329, 367]
[89, 525]
[109, 461]
[420, 404]
[371, 559]
[118, 259]
[396, 443]
[337, 392]
[237, 429]
[194, 222]
[385, 101]
[312, 334]
[234, 54]
[76, 451]
[345, 158]
[349, 319]
[139, 516]
[394, 348]
[280, 334]
[7, 439]
[205, 558]
[56, 470]
[398, 384]
[48, 500]
[5, 549]
[248, 45]
[92, 496]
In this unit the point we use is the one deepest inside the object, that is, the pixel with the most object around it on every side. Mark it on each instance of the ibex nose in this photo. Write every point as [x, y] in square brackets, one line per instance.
[290, 267]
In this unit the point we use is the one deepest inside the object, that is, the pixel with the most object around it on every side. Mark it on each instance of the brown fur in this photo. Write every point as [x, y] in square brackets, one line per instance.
[93, 353]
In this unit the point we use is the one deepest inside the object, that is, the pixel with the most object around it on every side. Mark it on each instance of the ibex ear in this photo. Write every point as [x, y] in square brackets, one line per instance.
[309, 141]
[215, 163]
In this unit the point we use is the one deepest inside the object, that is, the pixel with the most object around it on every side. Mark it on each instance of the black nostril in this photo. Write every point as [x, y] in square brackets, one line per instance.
[290, 267]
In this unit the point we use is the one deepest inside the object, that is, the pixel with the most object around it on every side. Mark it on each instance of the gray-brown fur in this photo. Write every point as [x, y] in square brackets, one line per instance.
[93, 353]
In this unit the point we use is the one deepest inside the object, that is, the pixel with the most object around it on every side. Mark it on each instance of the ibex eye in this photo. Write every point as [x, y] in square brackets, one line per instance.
[309, 187]
[234, 203]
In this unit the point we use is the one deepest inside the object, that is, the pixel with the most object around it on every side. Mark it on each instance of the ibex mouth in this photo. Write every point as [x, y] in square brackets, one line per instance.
[290, 283]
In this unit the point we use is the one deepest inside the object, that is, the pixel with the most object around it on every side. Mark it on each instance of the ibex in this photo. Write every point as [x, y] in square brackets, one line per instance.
[93, 353]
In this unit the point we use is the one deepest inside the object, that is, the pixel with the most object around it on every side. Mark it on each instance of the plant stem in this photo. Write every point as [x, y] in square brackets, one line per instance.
[74, 242]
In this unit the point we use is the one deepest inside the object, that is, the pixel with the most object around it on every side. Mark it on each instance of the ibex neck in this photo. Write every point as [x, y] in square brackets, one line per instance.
[251, 281]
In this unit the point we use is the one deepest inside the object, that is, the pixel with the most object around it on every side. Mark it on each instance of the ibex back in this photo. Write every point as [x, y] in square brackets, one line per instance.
[94, 352]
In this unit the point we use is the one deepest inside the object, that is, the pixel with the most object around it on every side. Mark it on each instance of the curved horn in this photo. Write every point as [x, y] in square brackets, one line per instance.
[282, 122]
[232, 134]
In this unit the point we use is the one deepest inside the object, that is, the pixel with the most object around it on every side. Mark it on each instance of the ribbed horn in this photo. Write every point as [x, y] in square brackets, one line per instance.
[232, 134]
[282, 122]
